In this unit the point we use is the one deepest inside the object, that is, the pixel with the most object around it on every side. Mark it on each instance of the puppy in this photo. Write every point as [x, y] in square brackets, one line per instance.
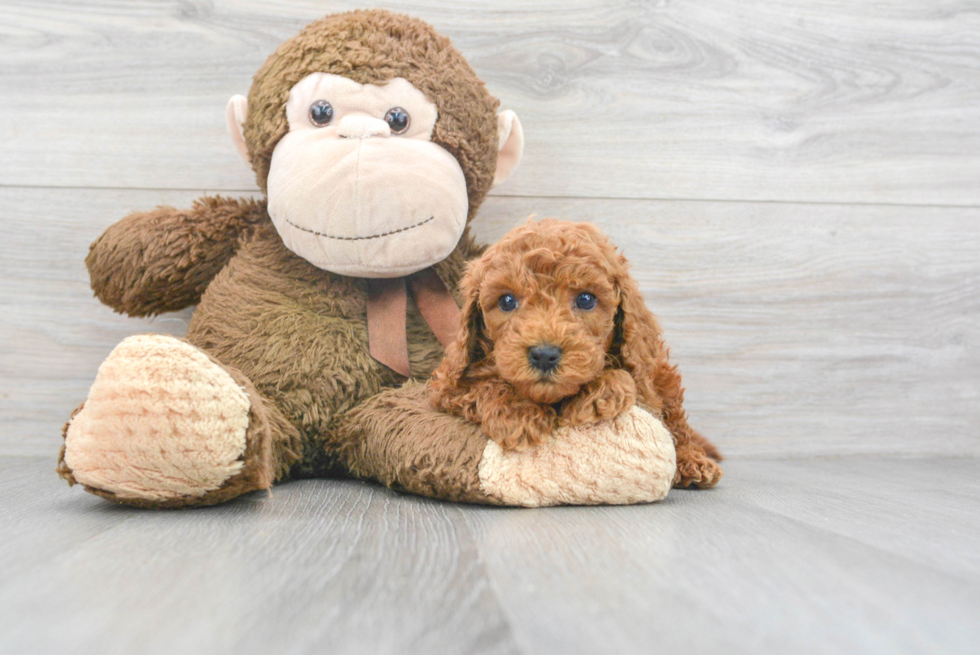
[554, 332]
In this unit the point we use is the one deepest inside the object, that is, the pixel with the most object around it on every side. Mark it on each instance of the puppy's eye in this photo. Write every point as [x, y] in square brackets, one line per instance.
[397, 119]
[321, 113]
[507, 303]
[586, 301]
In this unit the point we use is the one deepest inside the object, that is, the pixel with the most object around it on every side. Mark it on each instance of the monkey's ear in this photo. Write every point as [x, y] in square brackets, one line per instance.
[235, 115]
[511, 145]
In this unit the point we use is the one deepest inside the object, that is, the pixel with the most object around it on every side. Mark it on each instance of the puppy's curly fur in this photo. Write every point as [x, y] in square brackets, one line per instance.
[610, 352]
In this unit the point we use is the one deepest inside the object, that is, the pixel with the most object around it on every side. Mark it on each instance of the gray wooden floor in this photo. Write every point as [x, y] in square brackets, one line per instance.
[798, 187]
[869, 555]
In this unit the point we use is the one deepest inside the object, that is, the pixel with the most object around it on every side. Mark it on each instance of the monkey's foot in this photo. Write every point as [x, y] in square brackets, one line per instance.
[163, 426]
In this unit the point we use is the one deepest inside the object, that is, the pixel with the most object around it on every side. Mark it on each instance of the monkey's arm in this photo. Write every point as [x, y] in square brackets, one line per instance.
[162, 260]
[398, 438]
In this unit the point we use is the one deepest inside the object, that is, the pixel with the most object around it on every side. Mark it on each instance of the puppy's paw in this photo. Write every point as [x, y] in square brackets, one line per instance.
[519, 426]
[610, 395]
[696, 469]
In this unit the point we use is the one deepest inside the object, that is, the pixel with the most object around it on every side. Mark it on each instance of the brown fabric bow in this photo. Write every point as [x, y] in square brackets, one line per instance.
[387, 303]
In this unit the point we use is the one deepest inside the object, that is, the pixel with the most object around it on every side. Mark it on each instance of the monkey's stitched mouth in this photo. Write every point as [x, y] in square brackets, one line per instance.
[373, 236]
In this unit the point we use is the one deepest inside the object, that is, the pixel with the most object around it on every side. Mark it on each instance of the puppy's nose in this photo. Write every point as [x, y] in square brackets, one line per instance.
[544, 358]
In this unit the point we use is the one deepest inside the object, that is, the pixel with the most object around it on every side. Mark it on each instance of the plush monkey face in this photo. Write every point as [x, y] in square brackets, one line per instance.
[373, 172]
[357, 187]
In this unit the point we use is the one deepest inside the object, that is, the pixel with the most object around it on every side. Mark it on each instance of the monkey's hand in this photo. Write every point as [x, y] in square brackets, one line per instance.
[162, 260]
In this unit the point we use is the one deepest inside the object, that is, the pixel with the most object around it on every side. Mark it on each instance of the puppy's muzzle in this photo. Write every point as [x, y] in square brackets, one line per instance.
[544, 358]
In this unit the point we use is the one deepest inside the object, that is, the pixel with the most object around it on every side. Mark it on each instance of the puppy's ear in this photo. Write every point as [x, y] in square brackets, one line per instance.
[470, 346]
[637, 340]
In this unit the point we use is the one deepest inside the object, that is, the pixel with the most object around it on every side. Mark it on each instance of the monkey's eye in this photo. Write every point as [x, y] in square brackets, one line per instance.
[507, 302]
[586, 301]
[321, 113]
[397, 119]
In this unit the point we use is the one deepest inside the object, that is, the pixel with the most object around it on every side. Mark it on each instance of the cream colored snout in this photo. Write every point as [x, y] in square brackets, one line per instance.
[362, 127]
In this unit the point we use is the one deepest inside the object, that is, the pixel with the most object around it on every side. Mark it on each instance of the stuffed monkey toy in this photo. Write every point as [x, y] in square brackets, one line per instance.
[374, 143]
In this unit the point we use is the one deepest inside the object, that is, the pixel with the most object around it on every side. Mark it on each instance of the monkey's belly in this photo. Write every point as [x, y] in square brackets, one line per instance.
[302, 341]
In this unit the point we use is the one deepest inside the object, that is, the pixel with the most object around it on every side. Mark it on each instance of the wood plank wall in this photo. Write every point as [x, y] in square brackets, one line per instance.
[797, 184]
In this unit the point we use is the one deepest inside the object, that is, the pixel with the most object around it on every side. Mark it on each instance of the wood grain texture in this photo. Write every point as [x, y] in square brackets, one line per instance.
[340, 568]
[738, 570]
[800, 329]
[833, 101]
[859, 555]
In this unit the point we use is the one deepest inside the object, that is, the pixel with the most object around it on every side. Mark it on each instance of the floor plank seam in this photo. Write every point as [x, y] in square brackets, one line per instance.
[505, 614]
[836, 534]
[511, 196]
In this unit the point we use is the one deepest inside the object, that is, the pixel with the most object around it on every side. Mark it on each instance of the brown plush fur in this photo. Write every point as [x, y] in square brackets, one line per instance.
[397, 439]
[610, 354]
[294, 333]
[163, 260]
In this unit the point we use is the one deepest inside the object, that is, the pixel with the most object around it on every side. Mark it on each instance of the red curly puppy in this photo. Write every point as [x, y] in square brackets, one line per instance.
[555, 332]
